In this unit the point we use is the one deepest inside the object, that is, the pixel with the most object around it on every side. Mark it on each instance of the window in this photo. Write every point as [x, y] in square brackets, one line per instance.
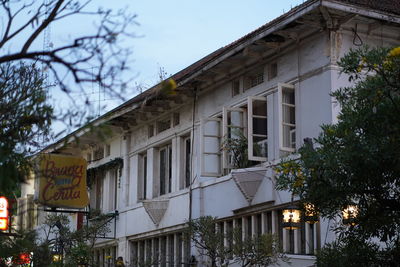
[163, 250]
[98, 192]
[254, 78]
[287, 117]
[175, 119]
[98, 153]
[187, 159]
[165, 168]
[163, 125]
[108, 150]
[89, 157]
[235, 87]
[210, 146]
[272, 71]
[112, 184]
[234, 122]
[104, 192]
[150, 131]
[142, 183]
[257, 128]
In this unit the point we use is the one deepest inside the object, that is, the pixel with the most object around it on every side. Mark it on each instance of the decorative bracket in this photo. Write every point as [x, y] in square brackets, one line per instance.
[156, 209]
[248, 181]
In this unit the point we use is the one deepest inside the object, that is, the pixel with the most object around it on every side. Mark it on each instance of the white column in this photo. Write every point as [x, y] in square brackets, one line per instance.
[254, 225]
[123, 249]
[263, 223]
[297, 239]
[285, 240]
[274, 226]
[307, 234]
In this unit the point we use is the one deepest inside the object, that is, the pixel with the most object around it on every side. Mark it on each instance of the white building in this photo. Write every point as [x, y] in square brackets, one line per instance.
[274, 86]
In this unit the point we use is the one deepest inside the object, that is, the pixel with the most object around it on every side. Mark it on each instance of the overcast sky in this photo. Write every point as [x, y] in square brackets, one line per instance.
[170, 34]
[174, 34]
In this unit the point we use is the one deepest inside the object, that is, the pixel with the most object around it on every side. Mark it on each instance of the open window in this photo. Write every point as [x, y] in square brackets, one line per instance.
[211, 147]
[287, 117]
[165, 165]
[142, 181]
[234, 121]
[257, 128]
[187, 159]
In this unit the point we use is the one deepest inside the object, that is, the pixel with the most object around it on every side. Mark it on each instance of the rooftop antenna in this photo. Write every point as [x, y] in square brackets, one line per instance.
[47, 45]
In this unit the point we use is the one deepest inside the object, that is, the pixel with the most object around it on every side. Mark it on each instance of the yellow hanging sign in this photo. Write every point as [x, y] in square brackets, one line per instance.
[62, 181]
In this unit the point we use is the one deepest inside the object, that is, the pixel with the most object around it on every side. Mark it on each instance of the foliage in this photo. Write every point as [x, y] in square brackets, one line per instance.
[263, 250]
[357, 160]
[25, 119]
[237, 147]
[55, 236]
[207, 240]
[93, 58]
[353, 252]
[25, 110]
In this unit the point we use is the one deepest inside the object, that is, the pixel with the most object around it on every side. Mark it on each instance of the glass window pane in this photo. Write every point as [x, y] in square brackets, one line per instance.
[260, 146]
[289, 136]
[163, 170]
[260, 126]
[259, 108]
[211, 145]
[288, 96]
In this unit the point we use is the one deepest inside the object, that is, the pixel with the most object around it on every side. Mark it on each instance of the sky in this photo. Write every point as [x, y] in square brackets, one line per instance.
[169, 34]
[174, 34]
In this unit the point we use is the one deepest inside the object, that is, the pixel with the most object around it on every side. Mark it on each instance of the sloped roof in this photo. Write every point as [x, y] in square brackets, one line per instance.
[390, 7]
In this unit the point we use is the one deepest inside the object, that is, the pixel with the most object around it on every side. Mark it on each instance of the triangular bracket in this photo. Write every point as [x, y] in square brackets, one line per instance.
[248, 181]
[156, 209]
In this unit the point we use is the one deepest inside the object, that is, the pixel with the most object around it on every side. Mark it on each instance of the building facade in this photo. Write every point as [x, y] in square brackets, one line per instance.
[169, 159]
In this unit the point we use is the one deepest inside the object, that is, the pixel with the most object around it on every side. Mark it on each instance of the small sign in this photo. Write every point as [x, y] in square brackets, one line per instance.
[62, 181]
[3, 214]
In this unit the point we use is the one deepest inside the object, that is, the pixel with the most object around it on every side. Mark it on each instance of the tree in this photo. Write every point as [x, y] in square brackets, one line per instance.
[357, 160]
[56, 237]
[96, 57]
[208, 241]
[25, 112]
[263, 250]
[25, 119]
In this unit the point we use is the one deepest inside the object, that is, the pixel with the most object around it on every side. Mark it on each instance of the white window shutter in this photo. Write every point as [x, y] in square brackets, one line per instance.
[232, 118]
[286, 116]
[257, 128]
[211, 147]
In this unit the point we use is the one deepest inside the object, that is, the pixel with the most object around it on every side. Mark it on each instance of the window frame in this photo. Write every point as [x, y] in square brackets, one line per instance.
[168, 169]
[225, 127]
[250, 133]
[203, 153]
[281, 88]
[187, 160]
[142, 176]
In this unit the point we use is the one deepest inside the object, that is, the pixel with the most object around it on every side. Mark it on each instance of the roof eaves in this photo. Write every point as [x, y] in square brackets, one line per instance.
[364, 10]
